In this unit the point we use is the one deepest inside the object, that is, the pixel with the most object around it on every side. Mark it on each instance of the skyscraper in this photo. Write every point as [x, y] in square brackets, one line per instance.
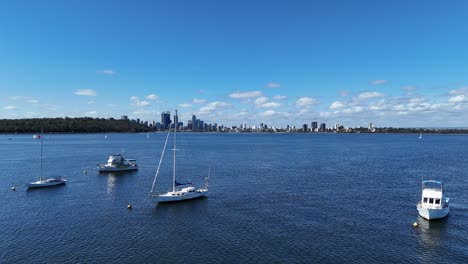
[176, 119]
[194, 123]
[314, 126]
[165, 119]
[323, 127]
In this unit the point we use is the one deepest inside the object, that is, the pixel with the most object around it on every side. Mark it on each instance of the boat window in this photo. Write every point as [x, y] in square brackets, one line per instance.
[437, 201]
[431, 200]
[425, 199]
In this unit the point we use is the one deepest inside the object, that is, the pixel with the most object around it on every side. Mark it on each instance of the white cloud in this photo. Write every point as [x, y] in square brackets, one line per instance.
[91, 102]
[85, 92]
[273, 85]
[10, 107]
[399, 107]
[33, 101]
[416, 100]
[268, 113]
[457, 98]
[107, 72]
[245, 95]
[198, 101]
[142, 103]
[91, 113]
[306, 101]
[261, 100]
[378, 82]
[279, 97]
[459, 95]
[218, 104]
[210, 107]
[136, 102]
[336, 105]
[353, 110]
[270, 105]
[369, 95]
[152, 97]
[462, 90]
[186, 105]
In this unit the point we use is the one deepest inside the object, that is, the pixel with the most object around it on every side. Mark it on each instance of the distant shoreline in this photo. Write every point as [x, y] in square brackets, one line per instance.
[89, 125]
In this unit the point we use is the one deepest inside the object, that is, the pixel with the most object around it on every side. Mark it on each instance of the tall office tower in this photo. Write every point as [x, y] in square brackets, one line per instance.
[201, 125]
[189, 124]
[194, 122]
[314, 126]
[165, 119]
[176, 118]
[304, 127]
[371, 126]
[323, 127]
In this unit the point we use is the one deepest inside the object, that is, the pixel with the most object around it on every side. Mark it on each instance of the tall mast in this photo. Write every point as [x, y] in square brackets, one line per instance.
[42, 140]
[174, 166]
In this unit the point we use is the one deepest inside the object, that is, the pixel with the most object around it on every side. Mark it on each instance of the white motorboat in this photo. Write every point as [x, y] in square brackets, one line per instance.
[117, 162]
[40, 181]
[433, 204]
[180, 191]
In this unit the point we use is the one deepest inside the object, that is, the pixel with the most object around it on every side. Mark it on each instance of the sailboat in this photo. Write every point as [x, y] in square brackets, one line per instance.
[180, 191]
[420, 136]
[40, 181]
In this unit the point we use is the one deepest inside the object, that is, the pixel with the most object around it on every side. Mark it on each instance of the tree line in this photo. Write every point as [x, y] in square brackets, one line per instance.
[71, 125]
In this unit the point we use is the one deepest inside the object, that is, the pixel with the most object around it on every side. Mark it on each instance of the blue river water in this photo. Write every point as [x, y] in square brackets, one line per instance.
[274, 198]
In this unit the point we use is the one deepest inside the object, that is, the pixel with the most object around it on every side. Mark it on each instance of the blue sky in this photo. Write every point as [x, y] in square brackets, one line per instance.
[392, 63]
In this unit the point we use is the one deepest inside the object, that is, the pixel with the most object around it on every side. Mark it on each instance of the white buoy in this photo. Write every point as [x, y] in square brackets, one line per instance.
[415, 224]
[85, 172]
[129, 206]
[13, 188]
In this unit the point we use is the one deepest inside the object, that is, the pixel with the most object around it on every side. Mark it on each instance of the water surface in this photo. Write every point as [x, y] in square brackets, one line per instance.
[281, 198]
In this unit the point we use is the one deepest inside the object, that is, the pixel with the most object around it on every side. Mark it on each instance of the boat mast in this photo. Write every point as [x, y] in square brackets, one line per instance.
[174, 166]
[42, 140]
[160, 161]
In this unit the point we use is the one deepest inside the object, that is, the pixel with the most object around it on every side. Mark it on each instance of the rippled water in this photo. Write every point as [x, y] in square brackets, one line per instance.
[281, 198]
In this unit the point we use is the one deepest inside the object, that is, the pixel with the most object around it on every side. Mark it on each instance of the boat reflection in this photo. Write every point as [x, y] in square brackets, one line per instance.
[113, 179]
[431, 237]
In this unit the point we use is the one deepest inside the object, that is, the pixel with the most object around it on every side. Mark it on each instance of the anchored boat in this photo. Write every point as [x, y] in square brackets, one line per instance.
[433, 204]
[180, 191]
[117, 162]
[40, 181]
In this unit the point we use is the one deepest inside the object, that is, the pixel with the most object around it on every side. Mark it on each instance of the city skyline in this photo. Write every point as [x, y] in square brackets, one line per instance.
[395, 64]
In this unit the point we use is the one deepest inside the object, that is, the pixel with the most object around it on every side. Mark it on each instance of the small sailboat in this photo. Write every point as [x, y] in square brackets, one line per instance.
[420, 135]
[433, 204]
[40, 181]
[180, 191]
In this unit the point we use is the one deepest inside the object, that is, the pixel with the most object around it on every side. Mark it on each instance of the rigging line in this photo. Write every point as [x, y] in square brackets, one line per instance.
[160, 161]
[42, 141]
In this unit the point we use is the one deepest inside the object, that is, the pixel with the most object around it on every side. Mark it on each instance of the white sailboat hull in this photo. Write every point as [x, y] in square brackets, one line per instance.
[181, 196]
[46, 183]
[431, 213]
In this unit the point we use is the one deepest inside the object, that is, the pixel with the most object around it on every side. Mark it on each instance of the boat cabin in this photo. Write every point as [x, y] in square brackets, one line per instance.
[115, 159]
[432, 197]
[432, 194]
